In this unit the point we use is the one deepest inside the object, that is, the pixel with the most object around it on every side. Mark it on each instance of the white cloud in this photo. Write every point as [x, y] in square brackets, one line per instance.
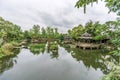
[56, 13]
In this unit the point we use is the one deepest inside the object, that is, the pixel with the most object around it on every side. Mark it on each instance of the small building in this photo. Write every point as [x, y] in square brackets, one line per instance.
[86, 42]
[86, 38]
[67, 39]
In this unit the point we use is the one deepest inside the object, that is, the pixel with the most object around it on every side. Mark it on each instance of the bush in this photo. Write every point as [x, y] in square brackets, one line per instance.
[14, 43]
[8, 46]
[7, 49]
[114, 74]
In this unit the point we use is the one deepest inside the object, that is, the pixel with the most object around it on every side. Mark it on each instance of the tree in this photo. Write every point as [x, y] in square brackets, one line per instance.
[84, 3]
[56, 34]
[97, 30]
[113, 5]
[76, 32]
[9, 31]
[43, 33]
[35, 32]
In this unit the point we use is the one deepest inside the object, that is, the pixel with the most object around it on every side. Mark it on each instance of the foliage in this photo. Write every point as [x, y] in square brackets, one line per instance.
[46, 33]
[61, 37]
[83, 3]
[14, 43]
[96, 29]
[52, 33]
[113, 5]
[109, 30]
[6, 49]
[9, 31]
[76, 32]
[114, 74]
[43, 32]
[114, 34]
[33, 33]
[7, 46]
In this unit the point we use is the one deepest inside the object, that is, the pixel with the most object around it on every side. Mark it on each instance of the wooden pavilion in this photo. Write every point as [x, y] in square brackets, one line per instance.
[86, 42]
[67, 39]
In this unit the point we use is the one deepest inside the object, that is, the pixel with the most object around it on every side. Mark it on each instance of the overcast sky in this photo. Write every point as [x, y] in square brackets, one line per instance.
[56, 13]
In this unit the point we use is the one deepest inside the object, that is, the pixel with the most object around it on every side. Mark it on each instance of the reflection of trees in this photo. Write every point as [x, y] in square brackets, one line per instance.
[53, 48]
[37, 51]
[66, 47]
[93, 58]
[8, 62]
[37, 48]
[54, 54]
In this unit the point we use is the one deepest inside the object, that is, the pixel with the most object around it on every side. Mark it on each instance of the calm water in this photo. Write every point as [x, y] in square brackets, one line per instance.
[66, 64]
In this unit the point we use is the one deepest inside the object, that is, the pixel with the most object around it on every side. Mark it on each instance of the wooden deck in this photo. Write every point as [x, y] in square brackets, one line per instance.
[87, 46]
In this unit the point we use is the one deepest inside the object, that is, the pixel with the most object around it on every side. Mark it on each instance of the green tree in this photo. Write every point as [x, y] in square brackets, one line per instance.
[113, 5]
[9, 31]
[76, 32]
[43, 33]
[34, 33]
[56, 33]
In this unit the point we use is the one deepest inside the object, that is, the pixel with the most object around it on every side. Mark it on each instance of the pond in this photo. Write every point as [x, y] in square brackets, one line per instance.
[65, 64]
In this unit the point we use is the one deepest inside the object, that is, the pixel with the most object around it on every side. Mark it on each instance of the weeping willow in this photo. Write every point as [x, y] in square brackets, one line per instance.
[84, 3]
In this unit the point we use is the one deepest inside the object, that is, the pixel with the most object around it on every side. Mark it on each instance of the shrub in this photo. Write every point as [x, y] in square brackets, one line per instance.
[114, 74]
[14, 43]
[7, 49]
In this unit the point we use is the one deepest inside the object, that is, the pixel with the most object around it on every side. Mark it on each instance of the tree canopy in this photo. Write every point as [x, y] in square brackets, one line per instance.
[113, 5]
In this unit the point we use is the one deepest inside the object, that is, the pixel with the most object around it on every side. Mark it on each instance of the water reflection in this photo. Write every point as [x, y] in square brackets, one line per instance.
[53, 50]
[36, 49]
[96, 59]
[8, 62]
[56, 63]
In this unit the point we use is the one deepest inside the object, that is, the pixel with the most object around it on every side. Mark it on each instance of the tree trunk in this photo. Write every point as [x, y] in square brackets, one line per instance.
[85, 8]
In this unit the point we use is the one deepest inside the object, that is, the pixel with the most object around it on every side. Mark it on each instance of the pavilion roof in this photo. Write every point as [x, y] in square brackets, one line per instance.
[86, 36]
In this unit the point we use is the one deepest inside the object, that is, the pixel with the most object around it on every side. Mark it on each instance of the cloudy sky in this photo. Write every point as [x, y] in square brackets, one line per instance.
[56, 13]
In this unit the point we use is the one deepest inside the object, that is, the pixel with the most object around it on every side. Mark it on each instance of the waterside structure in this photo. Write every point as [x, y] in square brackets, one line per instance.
[67, 39]
[86, 41]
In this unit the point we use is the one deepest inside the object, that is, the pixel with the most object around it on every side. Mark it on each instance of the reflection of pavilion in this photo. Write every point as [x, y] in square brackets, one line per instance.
[94, 59]
[86, 41]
